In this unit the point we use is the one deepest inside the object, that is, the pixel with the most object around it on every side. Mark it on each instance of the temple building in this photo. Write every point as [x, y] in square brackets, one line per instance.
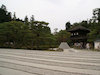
[79, 36]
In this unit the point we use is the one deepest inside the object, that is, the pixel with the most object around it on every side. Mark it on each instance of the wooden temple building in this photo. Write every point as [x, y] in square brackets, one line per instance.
[79, 36]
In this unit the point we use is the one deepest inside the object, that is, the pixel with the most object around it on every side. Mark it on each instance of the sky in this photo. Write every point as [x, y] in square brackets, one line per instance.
[55, 12]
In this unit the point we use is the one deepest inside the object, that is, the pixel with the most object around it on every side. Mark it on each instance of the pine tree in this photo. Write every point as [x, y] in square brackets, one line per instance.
[32, 19]
[26, 20]
[3, 7]
[96, 15]
[5, 16]
[68, 25]
[14, 16]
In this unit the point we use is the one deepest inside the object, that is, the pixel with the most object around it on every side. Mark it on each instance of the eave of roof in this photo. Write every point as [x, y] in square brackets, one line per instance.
[79, 28]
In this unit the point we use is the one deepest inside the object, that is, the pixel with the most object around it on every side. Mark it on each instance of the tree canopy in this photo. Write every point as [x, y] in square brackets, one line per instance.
[5, 16]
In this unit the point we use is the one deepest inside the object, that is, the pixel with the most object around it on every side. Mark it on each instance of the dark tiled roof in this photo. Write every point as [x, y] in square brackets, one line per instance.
[79, 28]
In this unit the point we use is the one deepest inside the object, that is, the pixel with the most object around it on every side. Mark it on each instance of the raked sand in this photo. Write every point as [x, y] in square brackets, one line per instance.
[32, 62]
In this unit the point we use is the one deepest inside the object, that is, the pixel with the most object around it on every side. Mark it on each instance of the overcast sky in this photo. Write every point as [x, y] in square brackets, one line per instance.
[56, 12]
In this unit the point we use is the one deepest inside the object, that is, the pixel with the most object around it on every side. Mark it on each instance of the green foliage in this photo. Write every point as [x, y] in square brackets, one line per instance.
[26, 20]
[13, 32]
[24, 34]
[42, 33]
[93, 27]
[63, 36]
[95, 32]
[68, 25]
[5, 16]
[83, 23]
[96, 15]
[14, 16]
[16, 34]
[32, 19]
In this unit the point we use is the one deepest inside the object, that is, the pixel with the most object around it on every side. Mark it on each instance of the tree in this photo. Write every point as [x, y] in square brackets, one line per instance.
[95, 32]
[9, 16]
[84, 24]
[63, 36]
[68, 25]
[32, 19]
[5, 16]
[18, 19]
[14, 16]
[3, 7]
[13, 32]
[96, 15]
[26, 20]
[41, 31]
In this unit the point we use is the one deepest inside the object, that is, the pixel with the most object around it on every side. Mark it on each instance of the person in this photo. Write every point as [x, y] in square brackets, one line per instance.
[87, 46]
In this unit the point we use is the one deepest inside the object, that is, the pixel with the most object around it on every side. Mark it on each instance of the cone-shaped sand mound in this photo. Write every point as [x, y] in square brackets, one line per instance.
[64, 45]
